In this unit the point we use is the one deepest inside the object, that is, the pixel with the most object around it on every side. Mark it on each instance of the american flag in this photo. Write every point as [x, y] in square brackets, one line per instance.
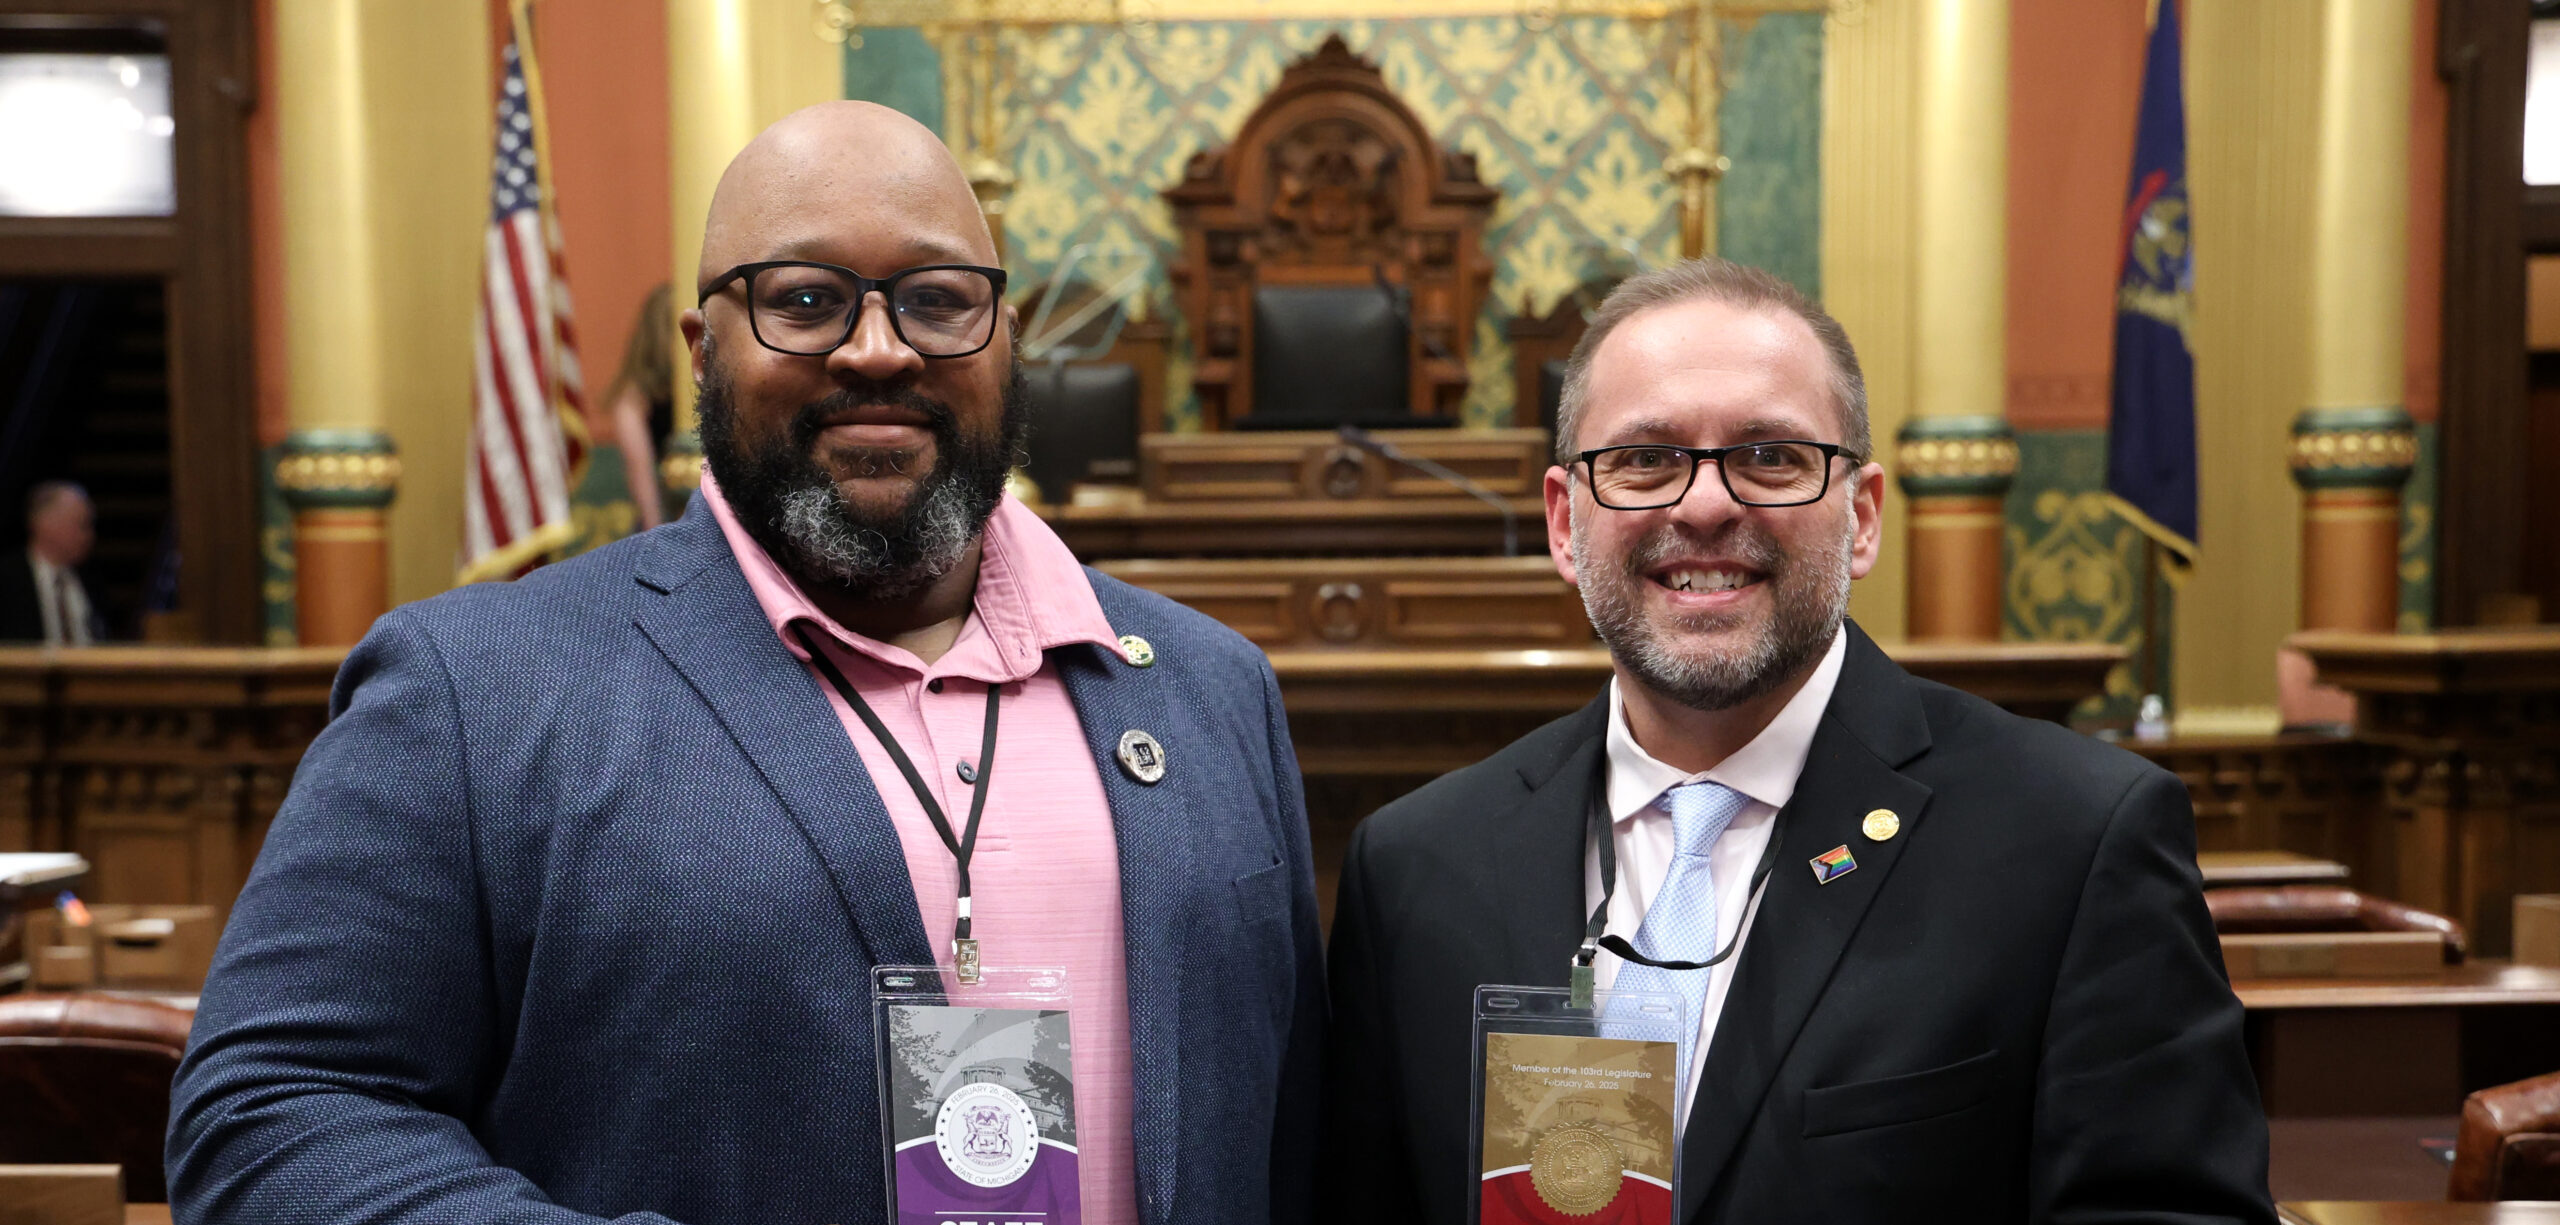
[528, 433]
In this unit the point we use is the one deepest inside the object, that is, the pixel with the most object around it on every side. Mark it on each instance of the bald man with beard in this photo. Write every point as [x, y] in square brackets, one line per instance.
[573, 910]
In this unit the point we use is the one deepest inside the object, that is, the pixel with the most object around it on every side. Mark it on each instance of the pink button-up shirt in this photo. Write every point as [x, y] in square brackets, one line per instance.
[1045, 876]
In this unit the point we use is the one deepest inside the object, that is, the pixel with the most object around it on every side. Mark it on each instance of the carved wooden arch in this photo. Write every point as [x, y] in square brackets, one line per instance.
[1331, 181]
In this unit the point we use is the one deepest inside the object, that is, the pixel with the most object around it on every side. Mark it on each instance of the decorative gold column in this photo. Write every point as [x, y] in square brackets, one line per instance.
[733, 67]
[333, 306]
[1956, 454]
[2354, 444]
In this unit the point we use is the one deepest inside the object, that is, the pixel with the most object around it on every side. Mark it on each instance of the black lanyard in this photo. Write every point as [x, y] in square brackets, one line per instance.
[1605, 849]
[964, 950]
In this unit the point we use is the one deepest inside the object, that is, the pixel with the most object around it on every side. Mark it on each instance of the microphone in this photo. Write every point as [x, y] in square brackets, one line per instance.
[1388, 451]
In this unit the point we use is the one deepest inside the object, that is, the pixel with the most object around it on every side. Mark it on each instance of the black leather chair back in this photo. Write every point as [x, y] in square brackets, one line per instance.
[1325, 356]
[1084, 426]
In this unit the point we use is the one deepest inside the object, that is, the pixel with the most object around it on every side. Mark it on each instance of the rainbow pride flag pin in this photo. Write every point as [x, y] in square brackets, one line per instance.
[1833, 864]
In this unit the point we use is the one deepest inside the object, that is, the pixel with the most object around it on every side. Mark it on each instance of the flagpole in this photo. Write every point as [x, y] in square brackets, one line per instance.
[2154, 677]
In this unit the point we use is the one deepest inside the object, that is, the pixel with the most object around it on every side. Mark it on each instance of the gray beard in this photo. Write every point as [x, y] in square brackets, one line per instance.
[832, 548]
[1811, 596]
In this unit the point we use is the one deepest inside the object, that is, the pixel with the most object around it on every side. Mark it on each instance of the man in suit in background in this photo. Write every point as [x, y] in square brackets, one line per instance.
[573, 909]
[42, 600]
[1977, 983]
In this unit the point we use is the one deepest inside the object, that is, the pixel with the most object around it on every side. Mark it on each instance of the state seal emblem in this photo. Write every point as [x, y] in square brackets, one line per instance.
[1576, 1169]
[987, 1134]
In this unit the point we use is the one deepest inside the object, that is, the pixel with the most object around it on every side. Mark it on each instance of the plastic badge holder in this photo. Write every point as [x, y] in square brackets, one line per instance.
[977, 1095]
[1575, 1108]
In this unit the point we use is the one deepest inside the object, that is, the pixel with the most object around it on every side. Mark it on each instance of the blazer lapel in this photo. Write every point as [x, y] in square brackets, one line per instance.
[1538, 848]
[1150, 824]
[713, 632]
[1873, 726]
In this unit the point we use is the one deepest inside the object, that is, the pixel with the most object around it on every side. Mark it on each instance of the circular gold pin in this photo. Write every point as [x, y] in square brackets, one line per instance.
[1141, 655]
[1881, 825]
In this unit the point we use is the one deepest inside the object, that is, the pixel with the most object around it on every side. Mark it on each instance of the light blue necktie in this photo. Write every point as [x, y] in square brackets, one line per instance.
[1680, 924]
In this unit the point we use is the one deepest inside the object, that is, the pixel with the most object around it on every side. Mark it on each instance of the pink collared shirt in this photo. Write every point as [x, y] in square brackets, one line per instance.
[1045, 877]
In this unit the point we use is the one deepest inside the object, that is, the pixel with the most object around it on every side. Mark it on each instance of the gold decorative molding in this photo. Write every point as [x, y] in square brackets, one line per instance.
[1957, 458]
[2360, 449]
[337, 473]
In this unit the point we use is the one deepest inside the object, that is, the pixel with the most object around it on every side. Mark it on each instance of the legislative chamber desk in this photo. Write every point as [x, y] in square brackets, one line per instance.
[2414, 1046]
[2462, 730]
[2333, 1212]
[1288, 493]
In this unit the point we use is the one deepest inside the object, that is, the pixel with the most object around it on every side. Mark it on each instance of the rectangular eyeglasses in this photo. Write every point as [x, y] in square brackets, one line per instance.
[1649, 476]
[809, 309]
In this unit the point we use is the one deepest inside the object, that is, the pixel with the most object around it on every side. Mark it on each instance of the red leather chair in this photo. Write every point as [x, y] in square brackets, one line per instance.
[2324, 908]
[84, 1079]
[2509, 1147]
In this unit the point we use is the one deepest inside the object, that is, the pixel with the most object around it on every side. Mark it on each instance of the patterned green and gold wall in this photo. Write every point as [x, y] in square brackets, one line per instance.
[1571, 122]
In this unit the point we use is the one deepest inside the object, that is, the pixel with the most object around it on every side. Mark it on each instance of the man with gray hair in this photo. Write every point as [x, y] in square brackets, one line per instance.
[1936, 961]
[42, 599]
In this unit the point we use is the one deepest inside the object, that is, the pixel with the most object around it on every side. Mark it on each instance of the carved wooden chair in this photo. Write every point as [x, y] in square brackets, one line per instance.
[1332, 263]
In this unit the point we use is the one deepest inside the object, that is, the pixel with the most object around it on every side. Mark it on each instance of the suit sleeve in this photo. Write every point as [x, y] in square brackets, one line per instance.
[1369, 1179]
[1293, 1132]
[2146, 1109]
[350, 1027]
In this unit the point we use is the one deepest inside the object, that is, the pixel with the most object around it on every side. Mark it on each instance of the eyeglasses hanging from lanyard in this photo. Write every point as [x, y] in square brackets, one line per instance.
[1604, 849]
[964, 948]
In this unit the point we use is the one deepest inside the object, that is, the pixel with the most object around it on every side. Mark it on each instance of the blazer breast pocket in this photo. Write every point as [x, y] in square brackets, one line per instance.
[1262, 895]
[1833, 1109]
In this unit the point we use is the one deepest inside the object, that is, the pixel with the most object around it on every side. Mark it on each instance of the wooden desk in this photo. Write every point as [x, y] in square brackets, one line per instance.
[2339, 1212]
[1291, 527]
[2412, 1046]
[2471, 720]
[146, 1214]
[1374, 603]
[2267, 868]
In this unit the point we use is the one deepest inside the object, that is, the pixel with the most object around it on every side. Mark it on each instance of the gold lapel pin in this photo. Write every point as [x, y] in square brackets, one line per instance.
[1880, 825]
[1139, 652]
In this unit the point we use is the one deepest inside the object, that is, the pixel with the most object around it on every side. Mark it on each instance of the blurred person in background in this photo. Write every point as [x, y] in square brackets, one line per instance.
[41, 599]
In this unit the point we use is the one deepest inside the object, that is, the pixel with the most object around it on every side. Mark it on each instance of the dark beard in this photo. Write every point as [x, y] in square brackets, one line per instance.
[1811, 597]
[790, 504]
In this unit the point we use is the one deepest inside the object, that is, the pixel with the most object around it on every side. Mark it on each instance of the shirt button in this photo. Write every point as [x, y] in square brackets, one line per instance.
[934, 685]
[969, 773]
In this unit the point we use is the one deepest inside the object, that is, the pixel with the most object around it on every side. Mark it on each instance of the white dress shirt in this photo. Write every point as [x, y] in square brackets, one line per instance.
[1764, 771]
[60, 598]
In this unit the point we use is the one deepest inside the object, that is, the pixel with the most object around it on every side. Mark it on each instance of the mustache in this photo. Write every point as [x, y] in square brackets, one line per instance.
[812, 416]
[1743, 542]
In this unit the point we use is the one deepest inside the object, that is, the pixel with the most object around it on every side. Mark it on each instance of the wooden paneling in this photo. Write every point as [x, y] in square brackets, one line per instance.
[1352, 603]
[2314, 795]
[1321, 466]
[2470, 725]
[202, 255]
[162, 766]
[1282, 527]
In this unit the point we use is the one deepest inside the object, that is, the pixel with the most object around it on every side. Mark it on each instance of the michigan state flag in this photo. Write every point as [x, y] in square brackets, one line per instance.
[2151, 423]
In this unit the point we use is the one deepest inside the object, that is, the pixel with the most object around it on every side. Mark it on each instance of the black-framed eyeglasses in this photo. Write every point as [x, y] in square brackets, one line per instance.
[1649, 476]
[810, 310]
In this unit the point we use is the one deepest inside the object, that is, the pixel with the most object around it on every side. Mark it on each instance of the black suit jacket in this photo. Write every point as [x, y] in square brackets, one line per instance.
[2013, 1010]
[21, 616]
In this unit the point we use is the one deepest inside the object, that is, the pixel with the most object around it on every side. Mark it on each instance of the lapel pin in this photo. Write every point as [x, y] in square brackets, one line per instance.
[1880, 825]
[1139, 652]
[1833, 864]
[1142, 757]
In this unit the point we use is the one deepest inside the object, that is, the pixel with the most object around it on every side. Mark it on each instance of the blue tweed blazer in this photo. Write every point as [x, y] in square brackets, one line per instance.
[571, 914]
